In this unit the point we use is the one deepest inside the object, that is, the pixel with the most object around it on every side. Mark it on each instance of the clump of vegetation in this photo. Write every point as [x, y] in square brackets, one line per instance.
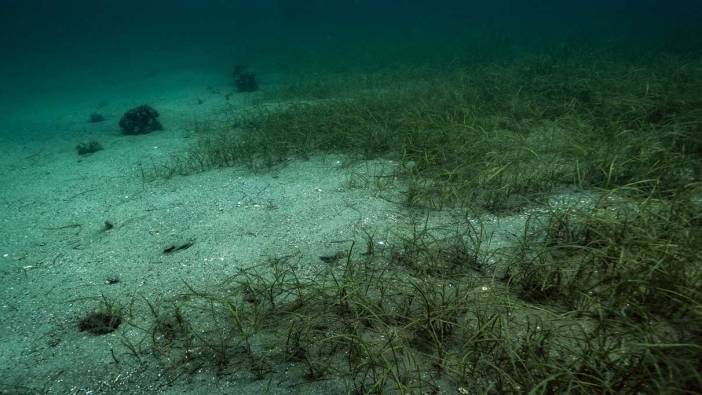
[102, 321]
[244, 80]
[602, 297]
[96, 118]
[140, 120]
[427, 312]
[645, 248]
[496, 137]
[88, 147]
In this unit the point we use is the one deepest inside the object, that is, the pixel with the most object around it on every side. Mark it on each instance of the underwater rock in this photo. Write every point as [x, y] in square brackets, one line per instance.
[140, 120]
[108, 225]
[88, 148]
[96, 117]
[245, 80]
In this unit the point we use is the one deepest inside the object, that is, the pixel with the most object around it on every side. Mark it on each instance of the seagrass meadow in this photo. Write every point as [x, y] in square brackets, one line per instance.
[596, 294]
[352, 197]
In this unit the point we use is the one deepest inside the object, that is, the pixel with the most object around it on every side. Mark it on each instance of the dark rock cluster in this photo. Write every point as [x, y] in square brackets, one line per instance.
[140, 120]
[96, 117]
[244, 80]
[88, 147]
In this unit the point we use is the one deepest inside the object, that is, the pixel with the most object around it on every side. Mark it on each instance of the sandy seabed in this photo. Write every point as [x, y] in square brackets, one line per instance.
[56, 256]
[57, 260]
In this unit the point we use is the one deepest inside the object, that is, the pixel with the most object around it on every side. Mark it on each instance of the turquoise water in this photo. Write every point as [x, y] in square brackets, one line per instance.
[149, 222]
[65, 48]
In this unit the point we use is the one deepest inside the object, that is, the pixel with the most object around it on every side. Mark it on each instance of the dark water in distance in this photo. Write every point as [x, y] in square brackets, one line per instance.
[44, 25]
[57, 45]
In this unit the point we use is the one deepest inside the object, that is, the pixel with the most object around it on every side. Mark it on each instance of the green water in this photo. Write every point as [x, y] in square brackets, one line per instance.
[396, 197]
